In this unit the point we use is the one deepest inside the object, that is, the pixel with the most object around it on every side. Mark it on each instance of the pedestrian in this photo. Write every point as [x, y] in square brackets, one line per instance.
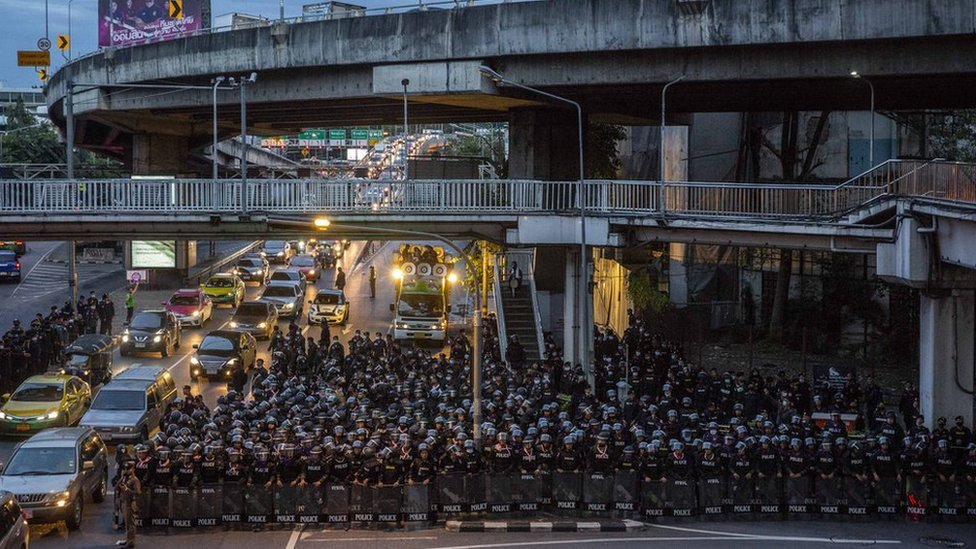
[130, 303]
[372, 282]
[106, 314]
[129, 489]
[238, 380]
[514, 278]
[340, 279]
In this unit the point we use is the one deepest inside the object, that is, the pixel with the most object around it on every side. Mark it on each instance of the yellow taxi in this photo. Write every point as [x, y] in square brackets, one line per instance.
[225, 288]
[50, 400]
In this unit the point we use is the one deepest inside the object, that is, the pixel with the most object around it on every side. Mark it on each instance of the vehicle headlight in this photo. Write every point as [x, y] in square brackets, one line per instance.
[157, 339]
[234, 324]
[195, 314]
[435, 327]
[52, 415]
[61, 499]
[125, 338]
[311, 272]
[288, 306]
[3, 415]
[127, 429]
[194, 360]
[232, 362]
[281, 254]
[401, 324]
[263, 325]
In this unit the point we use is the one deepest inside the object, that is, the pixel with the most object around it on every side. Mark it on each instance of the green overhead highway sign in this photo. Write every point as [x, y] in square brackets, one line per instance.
[359, 134]
[337, 134]
[376, 134]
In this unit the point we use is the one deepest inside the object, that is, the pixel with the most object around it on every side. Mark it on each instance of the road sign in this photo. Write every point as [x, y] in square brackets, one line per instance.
[64, 42]
[376, 134]
[337, 134]
[176, 9]
[42, 75]
[312, 134]
[305, 152]
[359, 134]
[43, 44]
[33, 58]
[136, 277]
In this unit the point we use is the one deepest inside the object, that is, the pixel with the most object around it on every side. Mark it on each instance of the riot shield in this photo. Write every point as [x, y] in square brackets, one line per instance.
[829, 491]
[499, 493]
[525, 492]
[566, 490]
[145, 508]
[258, 504]
[159, 506]
[597, 492]
[416, 503]
[286, 504]
[386, 501]
[360, 504]
[653, 498]
[338, 502]
[545, 489]
[681, 497]
[950, 499]
[887, 496]
[450, 493]
[232, 503]
[310, 504]
[917, 494]
[476, 493]
[969, 491]
[797, 492]
[184, 508]
[858, 495]
[711, 496]
[208, 505]
[742, 493]
[625, 494]
[768, 495]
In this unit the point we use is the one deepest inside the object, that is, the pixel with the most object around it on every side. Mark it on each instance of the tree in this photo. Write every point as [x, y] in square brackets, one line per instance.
[601, 160]
[30, 145]
[953, 136]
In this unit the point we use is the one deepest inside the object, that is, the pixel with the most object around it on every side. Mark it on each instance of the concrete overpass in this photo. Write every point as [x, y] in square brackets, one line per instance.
[613, 56]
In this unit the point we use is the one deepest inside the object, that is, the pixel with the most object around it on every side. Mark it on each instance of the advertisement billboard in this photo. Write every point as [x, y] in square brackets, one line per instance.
[130, 22]
[153, 254]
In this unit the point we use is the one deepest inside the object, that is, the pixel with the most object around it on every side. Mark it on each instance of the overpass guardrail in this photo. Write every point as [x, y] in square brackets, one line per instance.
[933, 179]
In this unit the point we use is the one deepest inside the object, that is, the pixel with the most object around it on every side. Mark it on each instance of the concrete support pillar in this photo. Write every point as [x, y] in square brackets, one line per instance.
[571, 348]
[543, 144]
[946, 356]
[156, 154]
[678, 274]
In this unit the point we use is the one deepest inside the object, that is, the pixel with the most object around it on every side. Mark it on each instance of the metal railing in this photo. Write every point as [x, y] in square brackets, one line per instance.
[936, 179]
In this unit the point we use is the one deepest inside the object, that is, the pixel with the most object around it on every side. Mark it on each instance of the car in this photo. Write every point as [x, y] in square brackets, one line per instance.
[222, 352]
[43, 401]
[151, 331]
[191, 307]
[226, 288]
[130, 407]
[9, 266]
[291, 276]
[287, 297]
[328, 306]
[14, 530]
[278, 251]
[52, 474]
[307, 266]
[253, 269]
[257, 318]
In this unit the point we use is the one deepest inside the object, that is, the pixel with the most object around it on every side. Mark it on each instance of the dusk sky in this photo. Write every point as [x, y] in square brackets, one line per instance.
[23, 24]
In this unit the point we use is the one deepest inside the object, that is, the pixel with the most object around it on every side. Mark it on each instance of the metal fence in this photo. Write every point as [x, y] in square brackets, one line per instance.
[620, 495]
[937, 180]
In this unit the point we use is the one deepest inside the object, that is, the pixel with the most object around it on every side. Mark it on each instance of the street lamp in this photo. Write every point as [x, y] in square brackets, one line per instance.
[69, 28]
[582, 315]
[242, 84]
[322, 223]
[406, 132]
[661, 198]
[213, 153]
[856, 75]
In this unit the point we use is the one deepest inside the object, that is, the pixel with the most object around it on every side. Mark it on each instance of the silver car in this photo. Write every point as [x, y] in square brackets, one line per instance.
[286, 297]
[52, 474]
[14, 532]
[131, 406]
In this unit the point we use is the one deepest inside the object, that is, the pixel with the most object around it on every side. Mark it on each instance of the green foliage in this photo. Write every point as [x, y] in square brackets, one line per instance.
[29, 145]
[472, 281]
[953, 136]
[601, 159]
[642, 291]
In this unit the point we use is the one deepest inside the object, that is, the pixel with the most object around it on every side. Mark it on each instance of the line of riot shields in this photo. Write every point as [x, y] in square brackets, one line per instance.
[620, 495]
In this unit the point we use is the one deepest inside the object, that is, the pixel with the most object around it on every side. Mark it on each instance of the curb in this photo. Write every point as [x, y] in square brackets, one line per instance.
[543, 526]
[84, 262]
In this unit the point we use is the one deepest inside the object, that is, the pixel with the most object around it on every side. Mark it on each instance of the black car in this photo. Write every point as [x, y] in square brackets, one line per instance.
[150, 332]
[253, 269]
[222, 352]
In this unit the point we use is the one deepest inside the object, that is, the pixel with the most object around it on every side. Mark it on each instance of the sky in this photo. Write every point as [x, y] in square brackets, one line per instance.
[22, 23]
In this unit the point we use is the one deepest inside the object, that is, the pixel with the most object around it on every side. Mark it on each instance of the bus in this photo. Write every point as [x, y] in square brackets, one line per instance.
[18, 247]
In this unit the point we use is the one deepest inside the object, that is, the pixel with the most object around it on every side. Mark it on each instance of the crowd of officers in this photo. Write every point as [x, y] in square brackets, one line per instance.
[377, 415]
[36, 348]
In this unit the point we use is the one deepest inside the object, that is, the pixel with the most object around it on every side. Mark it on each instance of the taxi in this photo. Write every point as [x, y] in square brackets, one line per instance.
[43, 401]
[191, 307]
[225, 288]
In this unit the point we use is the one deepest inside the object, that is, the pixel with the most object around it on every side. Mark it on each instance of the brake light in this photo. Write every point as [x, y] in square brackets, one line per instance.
[19, 242]
[17, 265]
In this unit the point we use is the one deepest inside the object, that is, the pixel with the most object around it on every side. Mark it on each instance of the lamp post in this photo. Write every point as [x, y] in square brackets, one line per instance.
[406, 132]
[583, 275]
[664, 91]
[69, 27]
[325, 224]
[856, 75]
[213, 153]
[242, 84]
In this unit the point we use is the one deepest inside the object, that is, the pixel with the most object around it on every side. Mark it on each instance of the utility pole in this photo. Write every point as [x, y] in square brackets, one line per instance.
[69, 115]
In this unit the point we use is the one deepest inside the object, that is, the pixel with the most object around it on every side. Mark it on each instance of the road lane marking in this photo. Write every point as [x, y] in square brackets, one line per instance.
[31, 271]
[188, 355]
[296, 534]
[719, 537]
[343, 540]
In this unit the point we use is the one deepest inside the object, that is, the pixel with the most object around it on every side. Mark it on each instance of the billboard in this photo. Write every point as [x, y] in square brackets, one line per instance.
[130, 22]
[153, 254]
